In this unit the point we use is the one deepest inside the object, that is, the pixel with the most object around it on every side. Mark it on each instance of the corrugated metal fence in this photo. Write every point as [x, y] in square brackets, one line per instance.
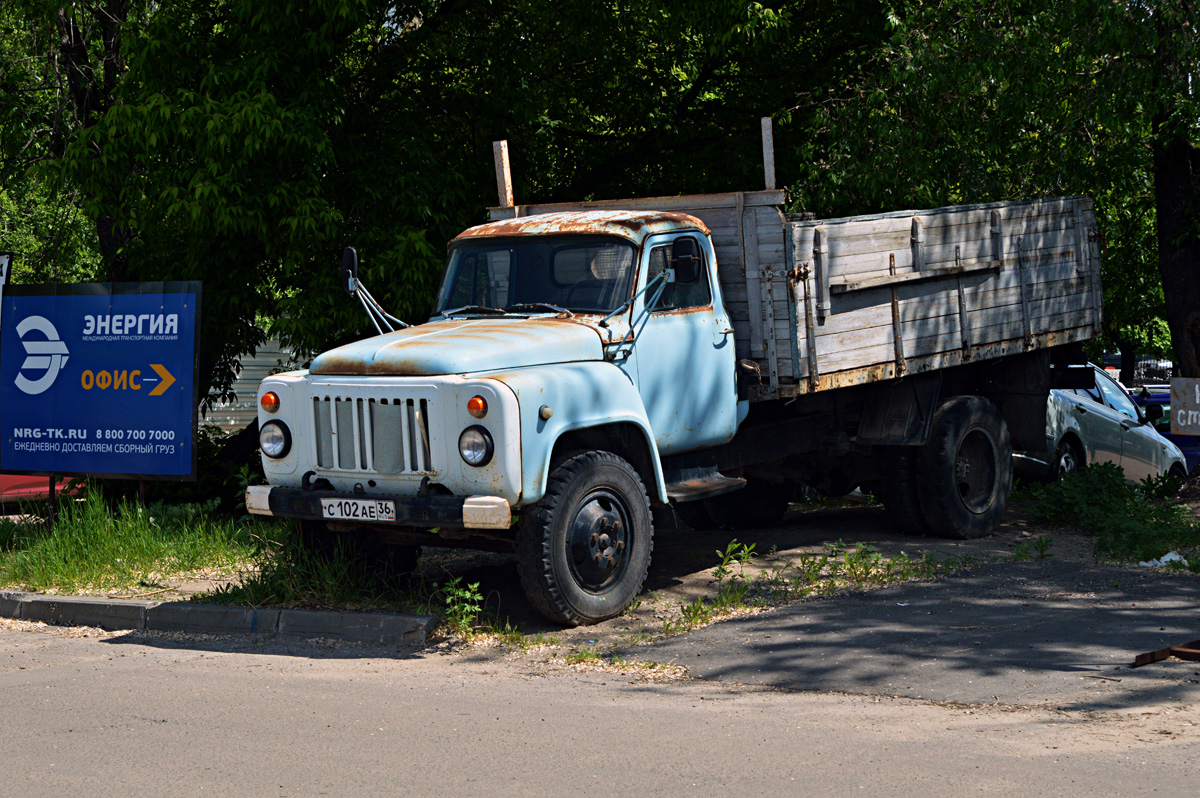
[269, 359]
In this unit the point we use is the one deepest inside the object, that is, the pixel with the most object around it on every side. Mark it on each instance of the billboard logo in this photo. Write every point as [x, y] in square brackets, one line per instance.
[48, 356]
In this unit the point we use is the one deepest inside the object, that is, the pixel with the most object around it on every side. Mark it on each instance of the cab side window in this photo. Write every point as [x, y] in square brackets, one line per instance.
[692, 291]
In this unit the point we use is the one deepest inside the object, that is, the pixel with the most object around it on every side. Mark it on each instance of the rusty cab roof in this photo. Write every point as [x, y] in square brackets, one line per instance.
[635, 226]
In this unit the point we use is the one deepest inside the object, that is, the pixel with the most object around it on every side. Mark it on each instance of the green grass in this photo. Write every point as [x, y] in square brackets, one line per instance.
[289, 575]
[97, 546]
[1129, 522]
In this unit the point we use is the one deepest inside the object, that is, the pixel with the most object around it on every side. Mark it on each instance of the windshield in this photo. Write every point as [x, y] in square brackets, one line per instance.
[585, 274]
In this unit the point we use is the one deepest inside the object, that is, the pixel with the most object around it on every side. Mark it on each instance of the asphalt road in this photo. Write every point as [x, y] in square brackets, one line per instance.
[130, 714]
[1029, 633]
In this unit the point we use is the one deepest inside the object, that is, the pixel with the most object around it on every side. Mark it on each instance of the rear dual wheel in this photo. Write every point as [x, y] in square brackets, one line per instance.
[957, 485]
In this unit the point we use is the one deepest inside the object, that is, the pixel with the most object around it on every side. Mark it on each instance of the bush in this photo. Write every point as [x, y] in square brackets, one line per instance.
[1129, 522]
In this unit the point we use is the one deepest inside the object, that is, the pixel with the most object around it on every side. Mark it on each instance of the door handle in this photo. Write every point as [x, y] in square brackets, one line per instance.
[1080, 409]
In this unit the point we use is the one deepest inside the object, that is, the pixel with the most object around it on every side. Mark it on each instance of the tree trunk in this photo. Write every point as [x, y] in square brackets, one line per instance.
[1128, 365]
[1177, 196]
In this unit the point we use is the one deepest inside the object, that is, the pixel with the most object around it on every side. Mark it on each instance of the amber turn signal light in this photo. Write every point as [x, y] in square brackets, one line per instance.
[270, 401]
[477, 406]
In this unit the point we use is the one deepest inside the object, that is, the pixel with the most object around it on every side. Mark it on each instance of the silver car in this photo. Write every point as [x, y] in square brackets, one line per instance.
[1100, 425]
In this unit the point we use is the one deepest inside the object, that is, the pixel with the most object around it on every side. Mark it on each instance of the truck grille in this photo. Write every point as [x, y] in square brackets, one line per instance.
[380, 435]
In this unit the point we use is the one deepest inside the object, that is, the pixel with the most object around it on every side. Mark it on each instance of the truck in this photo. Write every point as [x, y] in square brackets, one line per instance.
[595, 371]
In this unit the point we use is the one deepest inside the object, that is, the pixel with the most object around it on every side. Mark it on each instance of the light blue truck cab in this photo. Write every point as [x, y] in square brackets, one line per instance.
[567, 355]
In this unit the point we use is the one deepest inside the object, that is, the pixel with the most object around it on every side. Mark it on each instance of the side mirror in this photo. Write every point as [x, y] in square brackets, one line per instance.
[1153, 413]
[687, 268]
[349, 271]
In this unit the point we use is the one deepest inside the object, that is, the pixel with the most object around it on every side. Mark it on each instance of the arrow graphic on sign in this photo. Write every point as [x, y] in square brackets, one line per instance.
[168, 379]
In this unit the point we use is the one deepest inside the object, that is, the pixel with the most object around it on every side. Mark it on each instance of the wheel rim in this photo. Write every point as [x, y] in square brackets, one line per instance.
[975, 470]
[598, 540]
[1067, 464]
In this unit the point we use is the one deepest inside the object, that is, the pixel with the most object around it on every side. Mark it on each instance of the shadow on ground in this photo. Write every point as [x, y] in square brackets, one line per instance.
[1045, 632]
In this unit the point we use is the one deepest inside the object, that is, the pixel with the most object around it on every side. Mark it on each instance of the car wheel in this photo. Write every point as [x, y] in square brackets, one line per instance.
[1067, 460]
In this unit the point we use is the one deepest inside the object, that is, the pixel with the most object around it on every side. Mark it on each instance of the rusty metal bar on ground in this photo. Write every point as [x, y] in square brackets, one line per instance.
[1189, 651]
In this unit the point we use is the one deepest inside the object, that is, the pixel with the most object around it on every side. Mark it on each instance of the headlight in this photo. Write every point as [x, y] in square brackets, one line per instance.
[476, 446]
[274, 439]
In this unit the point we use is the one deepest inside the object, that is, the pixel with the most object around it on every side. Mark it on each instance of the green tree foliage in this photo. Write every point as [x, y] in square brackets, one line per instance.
[244, 142]
[40, 220]
[973, 102]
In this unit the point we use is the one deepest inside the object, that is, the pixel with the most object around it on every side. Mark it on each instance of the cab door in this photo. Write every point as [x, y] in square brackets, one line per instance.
[686, 366]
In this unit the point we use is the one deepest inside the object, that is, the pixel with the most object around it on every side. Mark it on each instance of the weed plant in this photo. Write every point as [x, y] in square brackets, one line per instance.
[95, 545]
[1129, 522]
[785, 580]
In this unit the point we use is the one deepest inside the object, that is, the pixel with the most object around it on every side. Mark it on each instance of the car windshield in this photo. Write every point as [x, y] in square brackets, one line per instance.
[584, 274]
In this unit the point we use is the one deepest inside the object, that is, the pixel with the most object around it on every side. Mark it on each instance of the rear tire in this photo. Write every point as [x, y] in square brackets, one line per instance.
[760, 503]
[583, 551]
[897, 489]
[966, 469]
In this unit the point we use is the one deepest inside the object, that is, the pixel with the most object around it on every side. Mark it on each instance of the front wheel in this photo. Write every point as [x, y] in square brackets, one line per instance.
[965, 470]
[584, 550]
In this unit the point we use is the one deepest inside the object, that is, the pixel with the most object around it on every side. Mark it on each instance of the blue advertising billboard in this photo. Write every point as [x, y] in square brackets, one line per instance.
[99, 379]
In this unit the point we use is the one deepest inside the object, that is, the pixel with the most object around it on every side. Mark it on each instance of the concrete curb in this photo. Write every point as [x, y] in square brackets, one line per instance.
[186, 616]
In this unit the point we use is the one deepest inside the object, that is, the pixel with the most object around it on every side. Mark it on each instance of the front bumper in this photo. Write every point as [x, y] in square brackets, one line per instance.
[467, 512]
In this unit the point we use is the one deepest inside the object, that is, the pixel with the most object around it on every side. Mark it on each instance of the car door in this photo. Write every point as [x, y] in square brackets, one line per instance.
[1099, 424]
[1141, 449]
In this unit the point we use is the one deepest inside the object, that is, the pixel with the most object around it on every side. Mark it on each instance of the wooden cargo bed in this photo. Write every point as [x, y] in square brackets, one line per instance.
[825, 303]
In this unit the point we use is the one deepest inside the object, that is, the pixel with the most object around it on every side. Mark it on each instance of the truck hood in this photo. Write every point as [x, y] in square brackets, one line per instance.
[463, 346]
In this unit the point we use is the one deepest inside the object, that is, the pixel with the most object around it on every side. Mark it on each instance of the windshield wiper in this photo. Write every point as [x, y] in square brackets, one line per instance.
[474, 309]
[539, 306]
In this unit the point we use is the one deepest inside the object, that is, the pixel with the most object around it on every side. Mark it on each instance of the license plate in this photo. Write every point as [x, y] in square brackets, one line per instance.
[359, 509]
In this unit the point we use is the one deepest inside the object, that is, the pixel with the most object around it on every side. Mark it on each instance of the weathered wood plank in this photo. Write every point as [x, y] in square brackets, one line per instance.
[752, 277]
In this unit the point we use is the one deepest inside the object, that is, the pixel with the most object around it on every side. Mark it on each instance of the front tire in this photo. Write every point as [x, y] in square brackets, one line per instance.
[584, 550]
[966, 469]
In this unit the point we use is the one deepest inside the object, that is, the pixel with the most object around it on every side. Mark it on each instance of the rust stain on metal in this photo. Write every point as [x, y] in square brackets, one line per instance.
[684, 311]
[1188, 651]
[633, 225]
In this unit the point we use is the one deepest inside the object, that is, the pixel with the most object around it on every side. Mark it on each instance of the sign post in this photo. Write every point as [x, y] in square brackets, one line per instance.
[99, 379]
[1185, 406]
